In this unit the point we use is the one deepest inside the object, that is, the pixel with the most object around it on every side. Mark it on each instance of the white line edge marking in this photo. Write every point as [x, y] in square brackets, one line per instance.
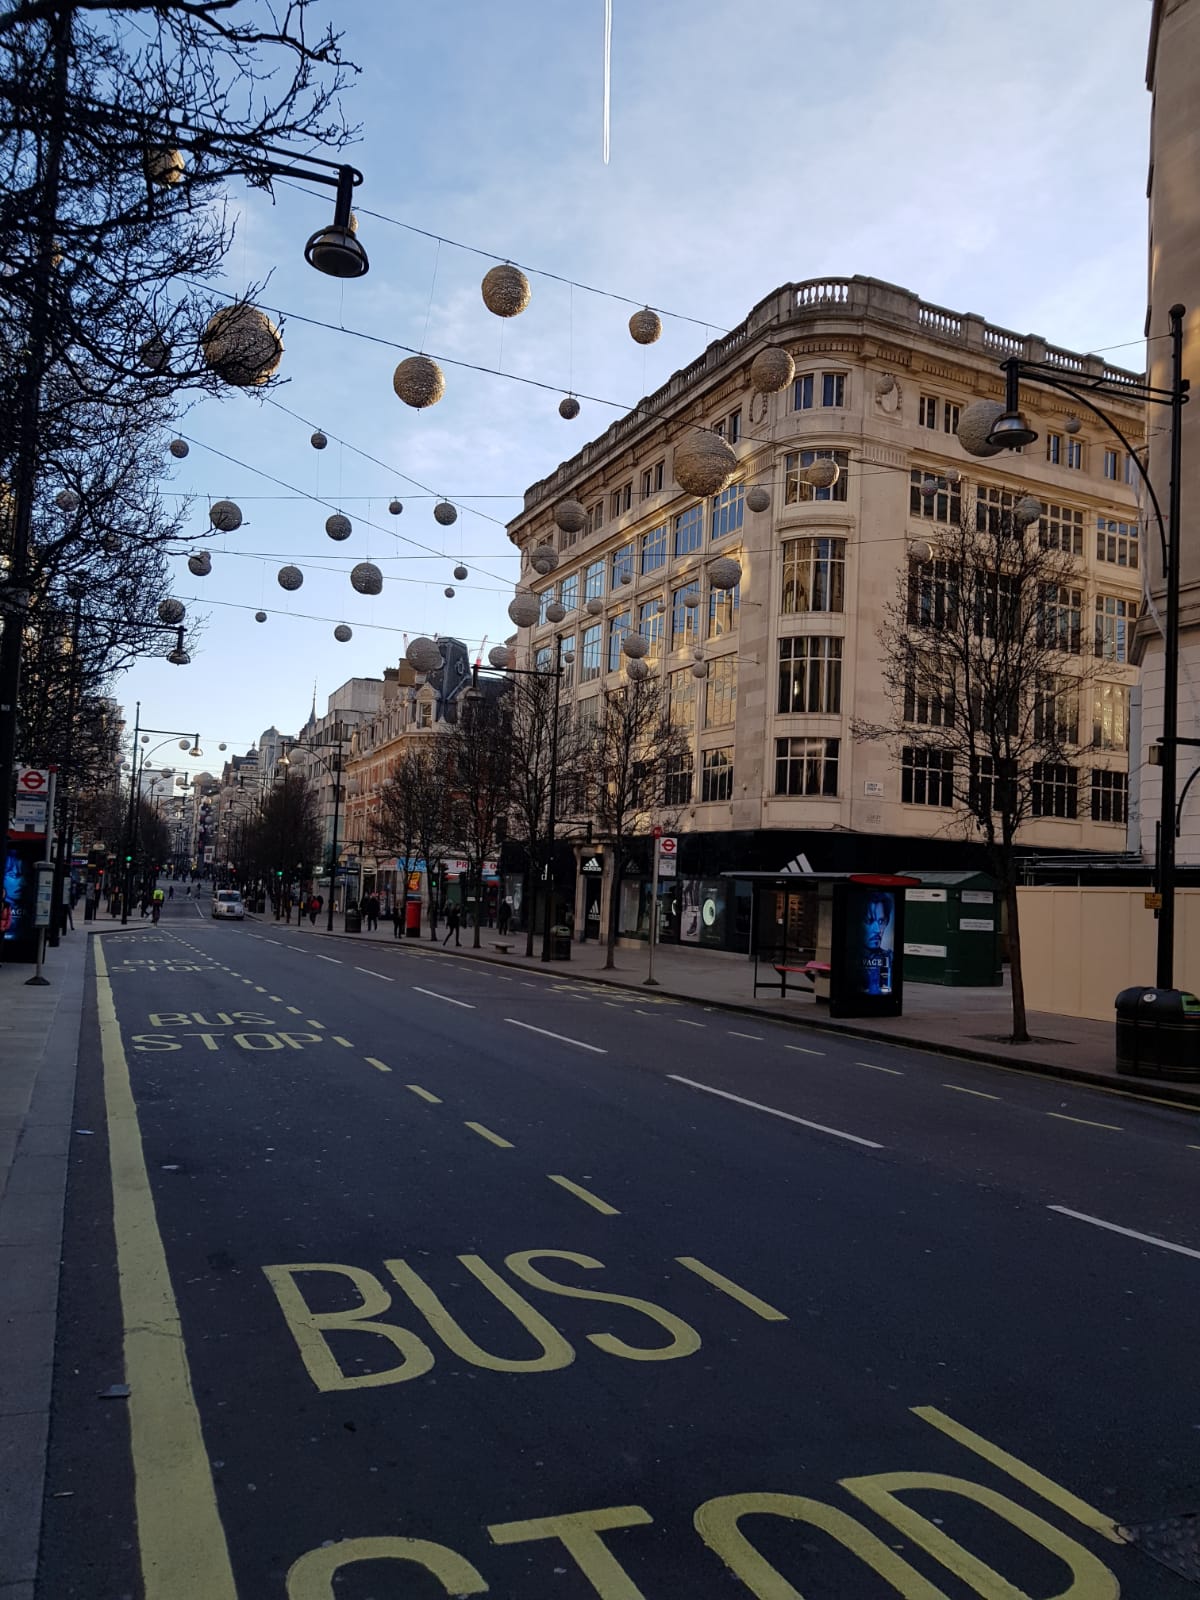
[334, 959]
[874, 1066]
[561, 1037]
[448, 998]
[802, 1048]
[734, 1034]
[371, 974]
[1129, 1233]
[773, 1111]
[686, 1022]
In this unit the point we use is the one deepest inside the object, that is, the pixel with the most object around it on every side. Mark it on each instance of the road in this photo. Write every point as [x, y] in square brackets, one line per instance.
[430, 1277]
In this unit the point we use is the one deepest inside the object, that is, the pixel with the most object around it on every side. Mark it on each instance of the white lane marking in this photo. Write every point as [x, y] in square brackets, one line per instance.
[561, 1037]
[734, 1034]
[801, 1048]
[978, 1093]
[685, 1023]
[371, 974]
[875, 1067]
[1061, 1116]
[773, 1111]
[1130, 1233]
[334, 959]
[448, 998]
[279, 942]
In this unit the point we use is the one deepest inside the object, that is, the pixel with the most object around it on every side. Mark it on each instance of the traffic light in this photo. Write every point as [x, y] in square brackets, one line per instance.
[128, 861]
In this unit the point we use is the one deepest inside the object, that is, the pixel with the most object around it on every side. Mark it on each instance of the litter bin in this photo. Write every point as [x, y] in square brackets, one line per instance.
[560, 944]
[353, 920]
[1158, 1033]
[412, 916]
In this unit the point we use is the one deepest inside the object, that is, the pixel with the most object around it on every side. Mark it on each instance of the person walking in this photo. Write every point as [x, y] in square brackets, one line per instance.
[503, 916]
[451, 924]
[372, 913]
[171, 892]
[397, 920]
[314, 905]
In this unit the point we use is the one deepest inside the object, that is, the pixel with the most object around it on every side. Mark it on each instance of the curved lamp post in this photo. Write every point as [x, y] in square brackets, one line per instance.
[1012, 431]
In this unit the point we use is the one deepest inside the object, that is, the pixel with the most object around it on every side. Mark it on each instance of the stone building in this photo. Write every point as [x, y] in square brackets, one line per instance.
[793, 652]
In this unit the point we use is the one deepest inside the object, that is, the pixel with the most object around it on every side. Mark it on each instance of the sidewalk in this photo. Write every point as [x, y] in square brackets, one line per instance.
[973, 1023]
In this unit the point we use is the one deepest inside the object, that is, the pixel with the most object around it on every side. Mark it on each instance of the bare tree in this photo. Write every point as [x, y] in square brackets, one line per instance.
[986, 660]
[476, 752]
[414, 815]
[285, 840]
[639, 774]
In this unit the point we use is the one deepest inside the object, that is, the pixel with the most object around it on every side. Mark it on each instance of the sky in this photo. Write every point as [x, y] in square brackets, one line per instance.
[991, 159]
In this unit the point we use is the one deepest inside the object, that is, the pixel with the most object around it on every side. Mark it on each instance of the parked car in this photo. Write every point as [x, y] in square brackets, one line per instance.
[228, 903]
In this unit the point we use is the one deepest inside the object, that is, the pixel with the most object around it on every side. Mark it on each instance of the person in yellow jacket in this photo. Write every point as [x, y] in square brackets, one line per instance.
[157, 900]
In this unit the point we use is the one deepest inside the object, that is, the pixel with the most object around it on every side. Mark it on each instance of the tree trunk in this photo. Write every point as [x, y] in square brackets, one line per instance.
[1020, 1030]
[530, 901]
[478, 904]
[614, 910]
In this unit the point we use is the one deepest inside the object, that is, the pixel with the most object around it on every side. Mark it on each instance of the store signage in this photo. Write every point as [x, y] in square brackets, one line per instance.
[593, 865]
[934, 896]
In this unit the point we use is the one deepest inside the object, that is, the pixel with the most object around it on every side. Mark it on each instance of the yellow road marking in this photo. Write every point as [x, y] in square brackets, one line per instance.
[378, 1065]
[958, 1089]
[311, 1021]
[180, 1537]
[588, 1198]
[337, 1039]
[1029, 1476]
[258, 989]
[486, 1133]
[295, 1010]
[278, 998]
[735, 1291]
[423, 1093]
[1063, 1117]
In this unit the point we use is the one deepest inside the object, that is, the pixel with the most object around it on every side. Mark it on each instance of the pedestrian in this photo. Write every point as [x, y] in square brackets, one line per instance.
[503, 916]
[189, 891]
[171, 892]
[372, 909]
[451, 924]
[314, 905]
[397, 920]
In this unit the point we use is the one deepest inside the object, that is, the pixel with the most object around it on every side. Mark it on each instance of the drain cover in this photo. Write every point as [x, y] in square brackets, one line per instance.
[1175, 1542]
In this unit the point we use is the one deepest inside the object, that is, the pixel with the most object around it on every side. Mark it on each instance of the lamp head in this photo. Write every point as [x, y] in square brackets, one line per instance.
[1012, 431]
[336, 252]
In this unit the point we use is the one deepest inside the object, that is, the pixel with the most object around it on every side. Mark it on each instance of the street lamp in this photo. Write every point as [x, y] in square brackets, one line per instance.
[335, 772]
[141, 736]
[1011, 430]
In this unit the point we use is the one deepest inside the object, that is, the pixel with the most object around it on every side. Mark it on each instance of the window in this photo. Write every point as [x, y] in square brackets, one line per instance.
[682, 704]
[689, 530]
[1110, 796]
[1112, 465]
[590, 663]
[833, 388]
[650, 626]
[1113, 617]
[720, 692]
[620, 500]
[544, 599]
[929, 693]
[926, 776]
[1132, 475]
[424, 714]
[806, 766]
[997, 606]
[622, 564]
[723, 608]
[593, 580]
[1056, 711]
[596, 517]
[568, 666]
[652, 479]
[618, 627]
[1060, 618]
[1054, 789]
[1117, 542]
[654, 549]
[927, 411]
[542, 659]
[945, 505]
[1075, 454]
[716, 779]
[1054, 448]
[990, 790]
[814, 575]
[570, 592]
[729, 428]
[950, 416]
[677, 779]
[685, 605]
[587, 713]
[727, 510]
[823, 388]
[1061, 528]
[1110, 716]
[797, 490]
[932, 594]
[802, 393]
[993, 509]
[810, 675]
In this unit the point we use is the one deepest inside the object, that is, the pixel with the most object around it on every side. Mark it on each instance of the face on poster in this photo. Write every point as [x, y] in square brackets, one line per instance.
[872, 933]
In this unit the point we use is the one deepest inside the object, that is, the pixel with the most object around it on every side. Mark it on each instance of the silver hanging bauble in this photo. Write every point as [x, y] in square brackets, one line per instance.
[884, 384]
[524, 608]
[171, 612]
[555, 611]
[318, 440]
[645, 327]
[568, 658]
[448, 591]
[929, 487]
[823, 473]
[419, 382]
[67, 500]
[505, 290]
[500, 656]
[724, 573]
[178, 448]
[699, 669]
[704, 463]
[952, 475]
[289, 577]
[423, 654]
[343, 634]
[1072, 424]
[445, 513]
[200, 564]
[1026, 511]
[626, 578]
[544, 559]
[395, 507]
[155, 354]
[110, 543]
[568, 408]
[460, 572]
[242, 346]
[571, 516]
[338, 527]
[637, 669]
[225, 516]
[758, 498]
[163, 166]
[594, 606]
[976, 422]
[771, 370]
[634, 645]
[697, 652]
[366, 578]
[920, 551]
[260, 616]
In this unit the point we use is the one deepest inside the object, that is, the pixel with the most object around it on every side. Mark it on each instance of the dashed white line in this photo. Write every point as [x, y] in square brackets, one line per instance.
[561, 1037]
[334, 959]
[1129, 1233]
[371, 974]
[734, 1034]
[873, 1066]
[978, 1093]
[684, 1022]
[801, 1049]
[773, 1111]
[448, 998]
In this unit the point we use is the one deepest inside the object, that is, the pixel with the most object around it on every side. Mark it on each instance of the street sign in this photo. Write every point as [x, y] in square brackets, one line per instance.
[45, 894]
[656, 832]
[668, 846]
[33, 780]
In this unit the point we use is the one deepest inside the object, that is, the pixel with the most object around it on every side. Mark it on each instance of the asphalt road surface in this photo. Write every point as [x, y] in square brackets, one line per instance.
[430, 1277]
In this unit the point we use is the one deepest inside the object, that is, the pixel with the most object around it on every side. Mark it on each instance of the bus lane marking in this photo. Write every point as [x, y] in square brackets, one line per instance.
[586, 1195]
[378, 1065]
[181, 1542]
[423, 1094]
[486, 1133]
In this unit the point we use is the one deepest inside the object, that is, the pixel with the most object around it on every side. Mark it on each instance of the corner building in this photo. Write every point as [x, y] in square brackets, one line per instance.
[793, 653]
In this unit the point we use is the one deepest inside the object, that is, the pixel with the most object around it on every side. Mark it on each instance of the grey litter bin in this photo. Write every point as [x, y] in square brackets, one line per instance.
[1158, 1033]
[560, 944]
[353, 921]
